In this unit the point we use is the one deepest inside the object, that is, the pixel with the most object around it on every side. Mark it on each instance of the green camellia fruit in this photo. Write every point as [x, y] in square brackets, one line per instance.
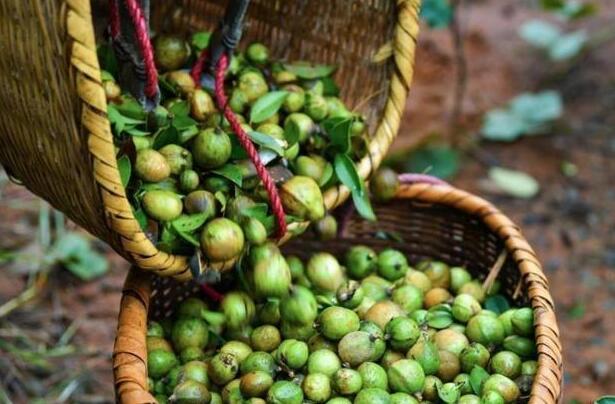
[190, 354]
[523, 322]
[316, 107]
[154, 329]
[202, 105]
[318, 342]
[223, 368]
[356, 347]
[389, 358]
[438, 273]
[402, 332]
[301, 197]
[506, 320]
[459, 277]
[392, 264]
[449, 366]
[432, 385]
[295, 331]
[271, 276]
[195, 370]
[347, 381]
[529, 368]
[160, 362]
[189, 181]
[189, 332]
[259, 361]
[475, 289]
[238, 309]
[317, 387]
[152, 166]
[200, 202]
[238, 349]
[372, 395]
[265, 338]
[255, 384]
[257, 53]
[452, 341]
[222, 239]
[182, 81]
[211, 148]
[408, 297]
[162, 205]
[190, 392]
[403, 398]
[485, 329]
[191, 308]
[306, 166]
[295, 100]
[463, 381]
[426, 353]
[300, 125]
[521, 346]
[335, 322]
[285, 392]
[506, 363]
[469, 399]
[325, 272]
[253, 85]
[373, 375]
[323, 361]
[474, 354]
[418, 279]
[299, 307]
[503, 386]
[492, 397]
[384, 185]
[178, 158]
[171, 52]
[326, 228]
[292, 353]
[450, 392]
[406, 376]
[360, 261]
[254, 231]
[465, 307]
[350, 294]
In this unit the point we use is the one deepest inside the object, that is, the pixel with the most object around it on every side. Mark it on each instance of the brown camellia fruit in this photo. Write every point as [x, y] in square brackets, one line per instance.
[382, 312]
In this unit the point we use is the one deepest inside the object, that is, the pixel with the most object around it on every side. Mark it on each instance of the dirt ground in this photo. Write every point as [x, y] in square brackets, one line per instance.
[571, 223]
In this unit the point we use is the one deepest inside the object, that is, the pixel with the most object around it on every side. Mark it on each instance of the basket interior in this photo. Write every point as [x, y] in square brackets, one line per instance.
[422, 231]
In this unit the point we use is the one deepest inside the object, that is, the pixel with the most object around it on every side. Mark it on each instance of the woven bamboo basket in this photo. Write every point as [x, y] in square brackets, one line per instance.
[434, 221]
[54, 134]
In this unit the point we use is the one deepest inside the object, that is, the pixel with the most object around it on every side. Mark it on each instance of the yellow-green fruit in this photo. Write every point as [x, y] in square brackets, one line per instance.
[112, 90]
[325, 272]
[271, 277]
[162, 205]
[306, 166]
[182, 81]
[257, 53]
[284, 76]
[253, 85]
[154, 343]
[383, 312]
[211, 148]
[436, 296]
[300, 124]
[201, 105]
[418, 279]
[171, 52]
[302, 197]
[160, 362]
[255, 231]
[179, 159]
[503, 386]
[222, 239]
[200, 202]
[316, 106]
[189, 332]
[190, 392]
[295, 99]
[384, 185]
[152, 166]
[255, 384]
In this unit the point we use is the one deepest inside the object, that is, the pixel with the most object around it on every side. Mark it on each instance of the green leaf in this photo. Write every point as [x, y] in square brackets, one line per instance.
[327, 174]
[339, 131]
[107, 59]
[438, 160]
[141, 218]
[605, 400]
[552, 5]
[75, 253]
[347, 173]
[258, 211]
[329, 87]
[167, 136]
[537, 108]
[497, 303]
[180, 108]
[540, 34]
[189, 223]
[237, 150]
[437, 13]
[120, 121]
[189, 237]
[309, 71]
[131, 108]
[439, 319]
[168, 89]
[133, 131]
[576, 311]
[478, 376]
[221, 198]
[106, 76]
[182, 122]
[514, 183]
[230, 172]
[200, 40]
[447, 395]
[267, 105]
[291, 133]
[268, 142]
[568, 46]
[125, 169]
[502, 125]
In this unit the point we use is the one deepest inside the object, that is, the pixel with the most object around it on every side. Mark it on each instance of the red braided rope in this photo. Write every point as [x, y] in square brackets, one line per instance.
[114, 19]
[246, 143]
[198, 67]
[145, 46]
[211, 293]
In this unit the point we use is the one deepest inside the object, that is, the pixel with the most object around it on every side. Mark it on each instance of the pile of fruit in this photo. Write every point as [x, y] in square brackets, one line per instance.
[189, 180]
[375, 330]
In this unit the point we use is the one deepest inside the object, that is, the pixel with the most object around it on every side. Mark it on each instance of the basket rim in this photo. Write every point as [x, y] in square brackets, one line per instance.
[135, 244]
[547, 386]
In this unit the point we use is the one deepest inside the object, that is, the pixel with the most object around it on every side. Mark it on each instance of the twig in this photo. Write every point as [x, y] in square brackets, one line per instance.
[461, 65]
[28, 294]
[495, 271]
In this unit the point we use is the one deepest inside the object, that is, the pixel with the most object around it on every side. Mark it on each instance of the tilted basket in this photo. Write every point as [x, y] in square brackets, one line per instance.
[432, 221]
[55, 137]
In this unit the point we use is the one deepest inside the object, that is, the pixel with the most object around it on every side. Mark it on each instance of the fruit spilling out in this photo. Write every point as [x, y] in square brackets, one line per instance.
[369, 329]
[189, 180]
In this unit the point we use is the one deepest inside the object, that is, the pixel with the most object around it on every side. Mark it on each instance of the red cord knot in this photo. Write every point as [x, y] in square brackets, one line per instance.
[211, 293]
[248, 146]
